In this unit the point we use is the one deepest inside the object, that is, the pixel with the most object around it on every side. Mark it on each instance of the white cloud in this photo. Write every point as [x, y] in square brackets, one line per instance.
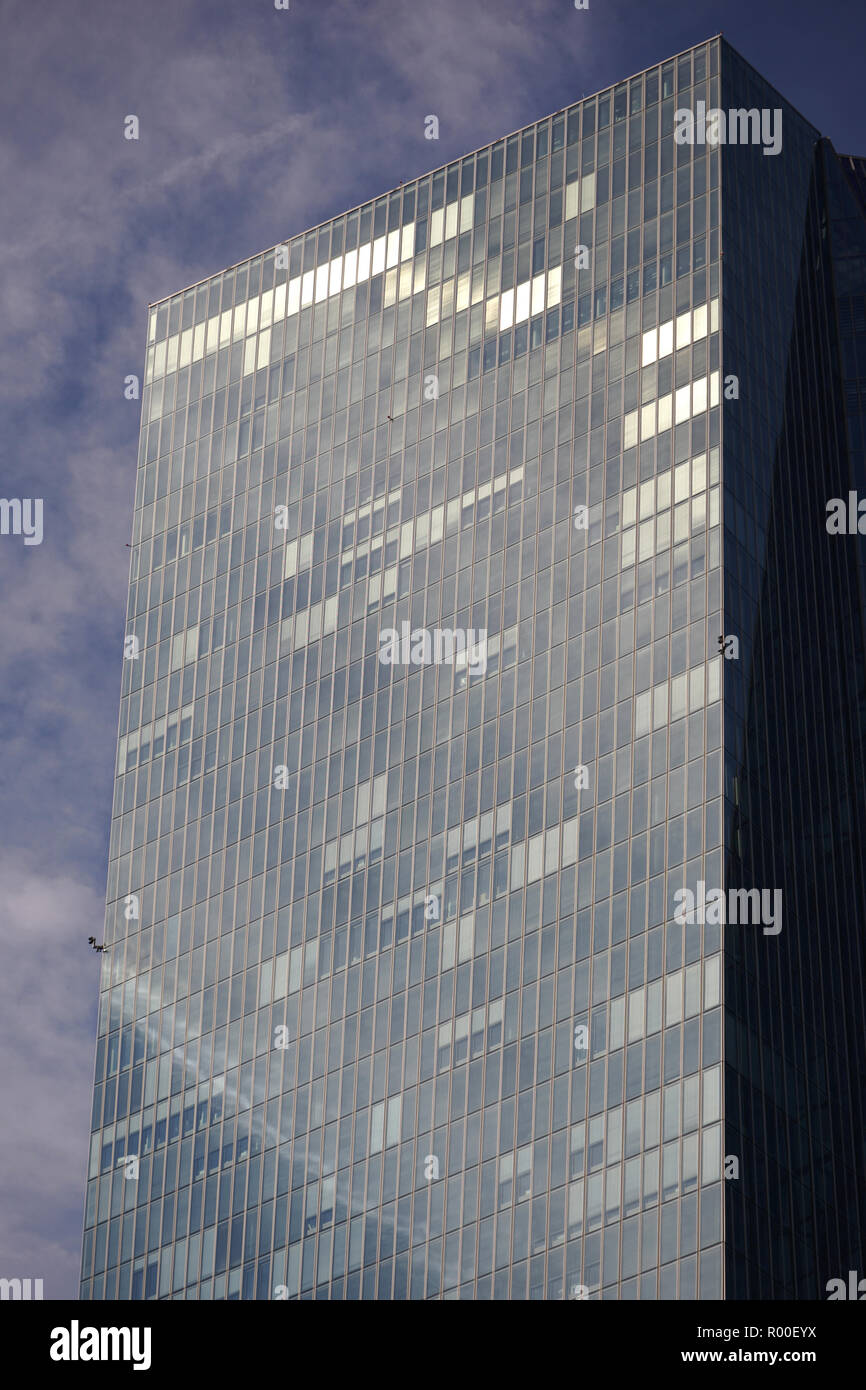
[48, 986]
[254, 126]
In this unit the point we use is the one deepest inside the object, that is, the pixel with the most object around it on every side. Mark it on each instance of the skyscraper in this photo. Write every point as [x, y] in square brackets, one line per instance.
[486, 651]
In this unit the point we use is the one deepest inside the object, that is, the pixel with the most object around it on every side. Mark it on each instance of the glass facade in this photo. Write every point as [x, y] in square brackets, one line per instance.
[794, 313]
[397, 1004]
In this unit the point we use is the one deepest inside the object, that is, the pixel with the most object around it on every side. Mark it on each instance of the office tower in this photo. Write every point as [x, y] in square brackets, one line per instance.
[794, 320]
[481, 603]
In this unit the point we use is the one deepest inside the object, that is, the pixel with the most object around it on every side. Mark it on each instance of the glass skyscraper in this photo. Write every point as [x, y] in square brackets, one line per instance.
[481, 601]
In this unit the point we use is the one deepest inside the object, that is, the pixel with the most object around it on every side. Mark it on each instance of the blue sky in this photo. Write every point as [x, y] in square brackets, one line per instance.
[255, 123]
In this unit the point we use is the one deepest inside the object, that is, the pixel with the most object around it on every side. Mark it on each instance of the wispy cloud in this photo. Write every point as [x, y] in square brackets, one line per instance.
[47, 997]
[255, 124]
